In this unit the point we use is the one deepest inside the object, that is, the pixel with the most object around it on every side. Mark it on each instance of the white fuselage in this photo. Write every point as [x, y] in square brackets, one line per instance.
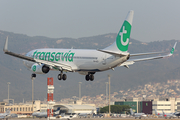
[40, 114]
[80, 60]
[3, 115]
[169, 115]
[139, 115]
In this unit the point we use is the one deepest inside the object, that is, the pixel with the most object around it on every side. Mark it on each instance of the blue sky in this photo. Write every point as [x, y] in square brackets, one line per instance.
[153, 19]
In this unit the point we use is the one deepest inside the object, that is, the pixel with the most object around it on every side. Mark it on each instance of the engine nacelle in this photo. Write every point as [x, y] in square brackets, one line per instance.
[40, 69]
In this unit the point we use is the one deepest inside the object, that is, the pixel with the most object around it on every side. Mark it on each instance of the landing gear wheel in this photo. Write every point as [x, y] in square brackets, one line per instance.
[87, 77]
[91, 77]
[60, 76]
[33, 75]
[64, 77]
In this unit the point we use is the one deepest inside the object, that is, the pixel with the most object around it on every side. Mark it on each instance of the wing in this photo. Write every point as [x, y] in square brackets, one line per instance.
[150, 53]
[59, 66]
[132, 61]
[114, 53]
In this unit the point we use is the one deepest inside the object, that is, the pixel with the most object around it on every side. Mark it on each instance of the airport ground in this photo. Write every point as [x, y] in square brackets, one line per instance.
[87, 119]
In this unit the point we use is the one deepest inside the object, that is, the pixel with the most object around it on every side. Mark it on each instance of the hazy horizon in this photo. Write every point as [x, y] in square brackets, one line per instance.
[153, 20]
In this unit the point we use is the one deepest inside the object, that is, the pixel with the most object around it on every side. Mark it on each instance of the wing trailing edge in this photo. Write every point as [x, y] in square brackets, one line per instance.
[132, 61]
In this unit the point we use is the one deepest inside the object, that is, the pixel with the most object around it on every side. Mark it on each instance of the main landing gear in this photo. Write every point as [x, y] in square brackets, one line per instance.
[62, 76]
[90, 77]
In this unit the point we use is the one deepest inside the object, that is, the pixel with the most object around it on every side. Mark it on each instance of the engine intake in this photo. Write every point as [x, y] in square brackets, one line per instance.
[40, 68]
[45, 69]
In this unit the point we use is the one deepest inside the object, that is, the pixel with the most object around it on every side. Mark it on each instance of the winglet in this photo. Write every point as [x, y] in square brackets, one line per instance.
[172, 51]
[6, 45]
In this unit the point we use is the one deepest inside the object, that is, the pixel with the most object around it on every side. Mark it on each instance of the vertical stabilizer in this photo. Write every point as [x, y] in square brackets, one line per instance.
[8, 111]
[131, 111]
[163, 113]
[156, 112]
[122, 40]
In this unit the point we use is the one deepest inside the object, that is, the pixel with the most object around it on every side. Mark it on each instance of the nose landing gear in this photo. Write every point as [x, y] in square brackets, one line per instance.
[33, 75]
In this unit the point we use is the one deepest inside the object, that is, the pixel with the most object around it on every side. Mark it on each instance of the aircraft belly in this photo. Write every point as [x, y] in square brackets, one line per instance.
[112, 63]
[99, 66]
[87, 65]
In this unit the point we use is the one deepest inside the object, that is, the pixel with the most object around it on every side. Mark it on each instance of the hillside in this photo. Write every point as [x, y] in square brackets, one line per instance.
[12, 69]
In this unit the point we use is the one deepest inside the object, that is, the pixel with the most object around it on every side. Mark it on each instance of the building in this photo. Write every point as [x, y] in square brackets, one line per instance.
[17, 108]
[26, 108]
[137, 105]
[168, 105]
[22, 108]
[146, 107]
[132, 104]
[71, 108]
[76, 107]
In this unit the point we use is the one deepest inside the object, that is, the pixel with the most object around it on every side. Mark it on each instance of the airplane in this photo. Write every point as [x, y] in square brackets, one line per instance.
[85, 61]
[137, 115]
[68, 116]
[5, 115]
[169, 115]
[85, 115]
[40, 114]
[158, 114]
[177, 114]
[57, 112]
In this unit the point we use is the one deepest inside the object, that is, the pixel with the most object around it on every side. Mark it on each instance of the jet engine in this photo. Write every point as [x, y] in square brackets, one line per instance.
[40, 68]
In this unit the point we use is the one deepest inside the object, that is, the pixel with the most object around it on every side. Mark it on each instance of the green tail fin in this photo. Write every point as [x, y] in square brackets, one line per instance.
[122, 39]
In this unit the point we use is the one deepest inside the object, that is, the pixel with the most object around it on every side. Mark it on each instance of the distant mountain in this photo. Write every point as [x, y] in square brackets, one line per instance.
[12, 69]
